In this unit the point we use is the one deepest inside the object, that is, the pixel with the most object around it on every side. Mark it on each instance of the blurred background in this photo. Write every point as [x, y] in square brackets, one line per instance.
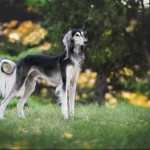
[117, 64]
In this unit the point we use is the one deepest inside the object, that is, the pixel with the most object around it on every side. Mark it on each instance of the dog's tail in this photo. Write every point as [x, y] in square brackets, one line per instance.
[7, 76]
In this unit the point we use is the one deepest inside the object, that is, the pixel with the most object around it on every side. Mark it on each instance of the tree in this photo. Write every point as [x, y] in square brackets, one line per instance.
[117, 31]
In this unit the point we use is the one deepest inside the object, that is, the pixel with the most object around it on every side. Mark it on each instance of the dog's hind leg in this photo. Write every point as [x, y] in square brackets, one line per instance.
[20, 78]
[30, 84]
[5, 102]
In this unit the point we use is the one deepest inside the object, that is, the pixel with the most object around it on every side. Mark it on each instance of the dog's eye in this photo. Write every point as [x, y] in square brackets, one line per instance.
[77, 35]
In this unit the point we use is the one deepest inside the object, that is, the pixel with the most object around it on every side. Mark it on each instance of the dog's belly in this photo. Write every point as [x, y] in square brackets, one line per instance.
[54, 78]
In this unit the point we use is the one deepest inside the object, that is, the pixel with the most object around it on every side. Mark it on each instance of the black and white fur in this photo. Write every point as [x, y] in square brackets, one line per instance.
[62, 70]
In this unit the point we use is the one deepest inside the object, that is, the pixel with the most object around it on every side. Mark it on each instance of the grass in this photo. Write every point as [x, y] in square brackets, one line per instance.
[99, 127]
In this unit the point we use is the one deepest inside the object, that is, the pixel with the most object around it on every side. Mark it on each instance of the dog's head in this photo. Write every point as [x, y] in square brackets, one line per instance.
[74, 37]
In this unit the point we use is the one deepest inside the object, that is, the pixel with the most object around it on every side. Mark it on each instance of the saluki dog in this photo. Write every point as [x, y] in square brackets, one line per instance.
[61, 70]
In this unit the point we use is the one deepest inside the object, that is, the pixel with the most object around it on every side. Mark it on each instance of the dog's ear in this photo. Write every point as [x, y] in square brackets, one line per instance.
[7, 66]
[67, 41]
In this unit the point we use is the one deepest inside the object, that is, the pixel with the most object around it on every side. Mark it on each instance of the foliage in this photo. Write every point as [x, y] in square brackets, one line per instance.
[136, 98]
[19, 39]
[105, 43]
[114, 29]
[93, 127]
[117, 31]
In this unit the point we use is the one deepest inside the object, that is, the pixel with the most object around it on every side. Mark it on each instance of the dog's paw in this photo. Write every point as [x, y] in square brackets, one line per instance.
[1, 113]
[65, 117]
[71, 114]
[22, 117]
[65, 114]
[2, 118]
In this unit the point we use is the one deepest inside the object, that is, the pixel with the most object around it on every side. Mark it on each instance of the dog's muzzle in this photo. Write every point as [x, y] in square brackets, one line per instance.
[85, 42]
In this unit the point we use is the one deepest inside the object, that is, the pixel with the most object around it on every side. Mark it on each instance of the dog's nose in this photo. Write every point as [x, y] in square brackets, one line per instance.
[85, 42]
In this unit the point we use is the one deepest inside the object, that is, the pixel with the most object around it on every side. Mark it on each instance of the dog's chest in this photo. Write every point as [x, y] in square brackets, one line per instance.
[73, 70]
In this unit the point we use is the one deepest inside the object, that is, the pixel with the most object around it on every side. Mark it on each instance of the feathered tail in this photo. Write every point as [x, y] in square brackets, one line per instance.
[7, 76]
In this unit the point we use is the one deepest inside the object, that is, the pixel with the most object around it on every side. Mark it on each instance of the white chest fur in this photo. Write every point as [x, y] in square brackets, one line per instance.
[73, 71]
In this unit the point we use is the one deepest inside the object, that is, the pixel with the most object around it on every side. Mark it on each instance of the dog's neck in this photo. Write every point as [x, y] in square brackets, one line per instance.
[77, 49]
[77, 54]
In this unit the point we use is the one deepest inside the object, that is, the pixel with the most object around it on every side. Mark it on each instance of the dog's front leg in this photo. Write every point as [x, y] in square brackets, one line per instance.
[72, 99]
[66, 78]
[64, 105]
[72, 93]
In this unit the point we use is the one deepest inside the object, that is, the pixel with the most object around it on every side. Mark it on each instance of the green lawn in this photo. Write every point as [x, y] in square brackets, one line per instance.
[125, 126]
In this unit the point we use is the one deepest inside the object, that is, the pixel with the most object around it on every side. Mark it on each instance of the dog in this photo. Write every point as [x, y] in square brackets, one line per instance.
[61, 70]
